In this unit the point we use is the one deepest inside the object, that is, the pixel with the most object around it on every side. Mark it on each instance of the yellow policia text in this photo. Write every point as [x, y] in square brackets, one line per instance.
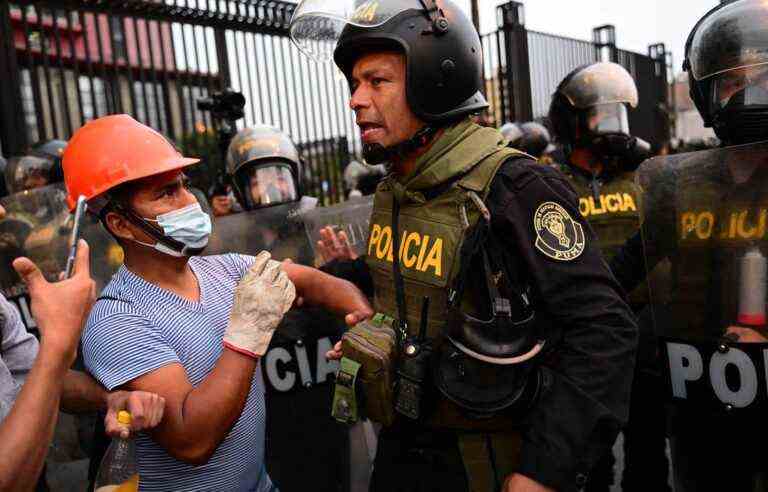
[737, 225]
[615, 202]
[418, 252]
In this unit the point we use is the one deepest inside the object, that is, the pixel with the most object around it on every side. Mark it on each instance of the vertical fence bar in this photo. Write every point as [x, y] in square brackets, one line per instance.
[12, 140]
[33, 75]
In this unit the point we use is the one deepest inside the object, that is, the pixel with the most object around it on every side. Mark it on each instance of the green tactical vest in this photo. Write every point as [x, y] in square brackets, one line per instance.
[432, 232]
[614, 213]
[716, 223]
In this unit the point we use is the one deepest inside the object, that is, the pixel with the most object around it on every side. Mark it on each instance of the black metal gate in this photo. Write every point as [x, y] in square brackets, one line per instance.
[523, 69]
[64, 62]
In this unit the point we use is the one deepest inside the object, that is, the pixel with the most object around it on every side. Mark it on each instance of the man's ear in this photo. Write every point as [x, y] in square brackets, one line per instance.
[119, 226]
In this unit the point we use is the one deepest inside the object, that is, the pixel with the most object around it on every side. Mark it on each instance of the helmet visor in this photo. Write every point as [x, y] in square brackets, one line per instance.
[741, 87]
[733, 37]
[606, 118]
[267, 185]
[317, 25]
[27, 173]
[601, 83]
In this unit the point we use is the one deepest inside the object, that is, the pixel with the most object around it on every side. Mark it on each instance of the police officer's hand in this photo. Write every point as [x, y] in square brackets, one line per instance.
[747, 335]
[60, 309]
[146, 411]
[521, 483]
[333, 246]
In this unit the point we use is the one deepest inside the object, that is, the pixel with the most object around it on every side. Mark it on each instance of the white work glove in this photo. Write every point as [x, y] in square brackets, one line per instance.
[261, 298]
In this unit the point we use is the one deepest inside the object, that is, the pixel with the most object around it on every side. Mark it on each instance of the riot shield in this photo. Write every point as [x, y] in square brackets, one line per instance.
[276, 229]
[707, 214]
[353, 217]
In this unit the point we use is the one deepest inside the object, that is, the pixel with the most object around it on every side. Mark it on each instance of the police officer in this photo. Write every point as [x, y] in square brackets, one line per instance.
[535, 140]
[703, 213]
[516, 350]
[589, 112]
[264, 166]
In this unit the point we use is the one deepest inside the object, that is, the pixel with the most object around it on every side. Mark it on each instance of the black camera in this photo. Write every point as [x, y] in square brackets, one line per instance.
[226, 105]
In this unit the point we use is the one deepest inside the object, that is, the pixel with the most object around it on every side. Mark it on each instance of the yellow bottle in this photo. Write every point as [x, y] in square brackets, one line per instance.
[118, 471]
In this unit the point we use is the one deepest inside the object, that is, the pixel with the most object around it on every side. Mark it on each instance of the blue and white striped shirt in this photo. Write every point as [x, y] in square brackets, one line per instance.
[136, 327]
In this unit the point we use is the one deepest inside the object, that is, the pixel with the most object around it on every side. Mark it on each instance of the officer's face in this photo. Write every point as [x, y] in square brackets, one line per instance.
[379, 100]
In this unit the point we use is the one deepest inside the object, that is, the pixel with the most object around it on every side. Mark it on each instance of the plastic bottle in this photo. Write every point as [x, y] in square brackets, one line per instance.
[118, 471]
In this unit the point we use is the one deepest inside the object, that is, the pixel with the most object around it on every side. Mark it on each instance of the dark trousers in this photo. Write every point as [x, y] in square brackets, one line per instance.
[417, 459]
[645, 461]
[717, 453]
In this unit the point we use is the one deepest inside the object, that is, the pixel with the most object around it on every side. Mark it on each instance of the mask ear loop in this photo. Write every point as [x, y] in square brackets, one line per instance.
[145, 226]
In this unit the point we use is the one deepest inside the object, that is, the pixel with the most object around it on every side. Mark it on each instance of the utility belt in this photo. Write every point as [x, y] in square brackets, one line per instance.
[381, 380]
[475, 374]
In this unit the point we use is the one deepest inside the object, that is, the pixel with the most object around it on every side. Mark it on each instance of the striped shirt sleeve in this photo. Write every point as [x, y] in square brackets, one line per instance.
[120, 347]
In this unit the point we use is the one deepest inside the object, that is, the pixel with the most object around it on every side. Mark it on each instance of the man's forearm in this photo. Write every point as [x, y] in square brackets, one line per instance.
[27, 431]
[82, 394]
[320, 289]
[197, 419]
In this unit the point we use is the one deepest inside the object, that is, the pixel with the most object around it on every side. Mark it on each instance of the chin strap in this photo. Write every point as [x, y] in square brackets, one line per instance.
[378, 154]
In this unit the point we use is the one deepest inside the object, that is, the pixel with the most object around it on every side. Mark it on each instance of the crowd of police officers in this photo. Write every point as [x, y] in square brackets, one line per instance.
[510, 344]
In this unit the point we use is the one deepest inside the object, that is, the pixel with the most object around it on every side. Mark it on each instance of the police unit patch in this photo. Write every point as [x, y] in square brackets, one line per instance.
[557, 234]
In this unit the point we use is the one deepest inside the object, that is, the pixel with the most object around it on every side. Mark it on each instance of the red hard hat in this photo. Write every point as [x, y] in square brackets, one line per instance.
[113, 150]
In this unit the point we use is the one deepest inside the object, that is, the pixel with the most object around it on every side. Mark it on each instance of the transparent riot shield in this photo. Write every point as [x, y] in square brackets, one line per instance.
[277, 229]
[353, 217]
[706, 213]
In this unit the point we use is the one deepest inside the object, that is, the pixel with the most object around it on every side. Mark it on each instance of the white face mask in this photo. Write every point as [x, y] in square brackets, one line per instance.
[189, 225]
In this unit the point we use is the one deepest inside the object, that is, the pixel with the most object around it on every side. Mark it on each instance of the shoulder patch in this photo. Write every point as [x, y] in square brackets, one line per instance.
[558, 236]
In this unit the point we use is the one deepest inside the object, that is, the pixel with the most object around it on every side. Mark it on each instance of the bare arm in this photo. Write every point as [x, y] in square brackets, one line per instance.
[334, 294]
[197, 419]
[28, 429]
[81, 393]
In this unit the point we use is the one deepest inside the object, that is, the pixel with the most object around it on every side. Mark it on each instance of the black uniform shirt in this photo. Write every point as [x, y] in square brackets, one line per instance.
[591, 336]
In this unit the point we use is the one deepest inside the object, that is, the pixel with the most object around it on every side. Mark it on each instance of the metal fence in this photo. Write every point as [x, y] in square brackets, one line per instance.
[72, 62]
[65, 62]
[523, 69]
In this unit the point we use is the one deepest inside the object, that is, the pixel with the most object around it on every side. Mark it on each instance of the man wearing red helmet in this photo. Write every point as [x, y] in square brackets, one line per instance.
[191, 329]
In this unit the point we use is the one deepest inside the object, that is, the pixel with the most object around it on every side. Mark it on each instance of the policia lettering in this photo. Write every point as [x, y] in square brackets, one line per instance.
[607, 204]
[738, 224]
[417, 251]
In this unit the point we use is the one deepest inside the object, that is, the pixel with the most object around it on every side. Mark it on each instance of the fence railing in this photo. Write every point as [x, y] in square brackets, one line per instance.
[66, 62]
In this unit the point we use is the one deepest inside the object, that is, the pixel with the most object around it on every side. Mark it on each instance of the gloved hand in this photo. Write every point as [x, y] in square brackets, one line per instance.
[261, 298]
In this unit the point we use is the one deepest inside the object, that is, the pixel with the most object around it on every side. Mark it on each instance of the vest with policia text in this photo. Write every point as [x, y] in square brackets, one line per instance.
[612, 209]
[432, 229]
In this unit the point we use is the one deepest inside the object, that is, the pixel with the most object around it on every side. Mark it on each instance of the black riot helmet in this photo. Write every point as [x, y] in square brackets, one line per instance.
[441, 46]
[590, 110]
[535, 139]
[28, 172]
[53, 150]
[511, 133]
[726, 57]
[264, 167]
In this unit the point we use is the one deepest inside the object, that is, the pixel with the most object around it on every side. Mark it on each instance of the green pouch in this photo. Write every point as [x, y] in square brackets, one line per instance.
[366, 378]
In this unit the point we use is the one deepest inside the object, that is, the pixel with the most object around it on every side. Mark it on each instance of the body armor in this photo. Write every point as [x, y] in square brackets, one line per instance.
[612, 207]
[431, 230]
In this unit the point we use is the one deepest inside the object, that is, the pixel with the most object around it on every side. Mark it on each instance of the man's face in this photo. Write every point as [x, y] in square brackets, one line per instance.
[379, 100]
[161, 194]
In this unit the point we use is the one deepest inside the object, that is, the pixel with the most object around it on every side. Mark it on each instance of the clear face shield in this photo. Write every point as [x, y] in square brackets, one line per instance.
[604, 119]
[317, 25]
[742, 87]
[267, 185]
